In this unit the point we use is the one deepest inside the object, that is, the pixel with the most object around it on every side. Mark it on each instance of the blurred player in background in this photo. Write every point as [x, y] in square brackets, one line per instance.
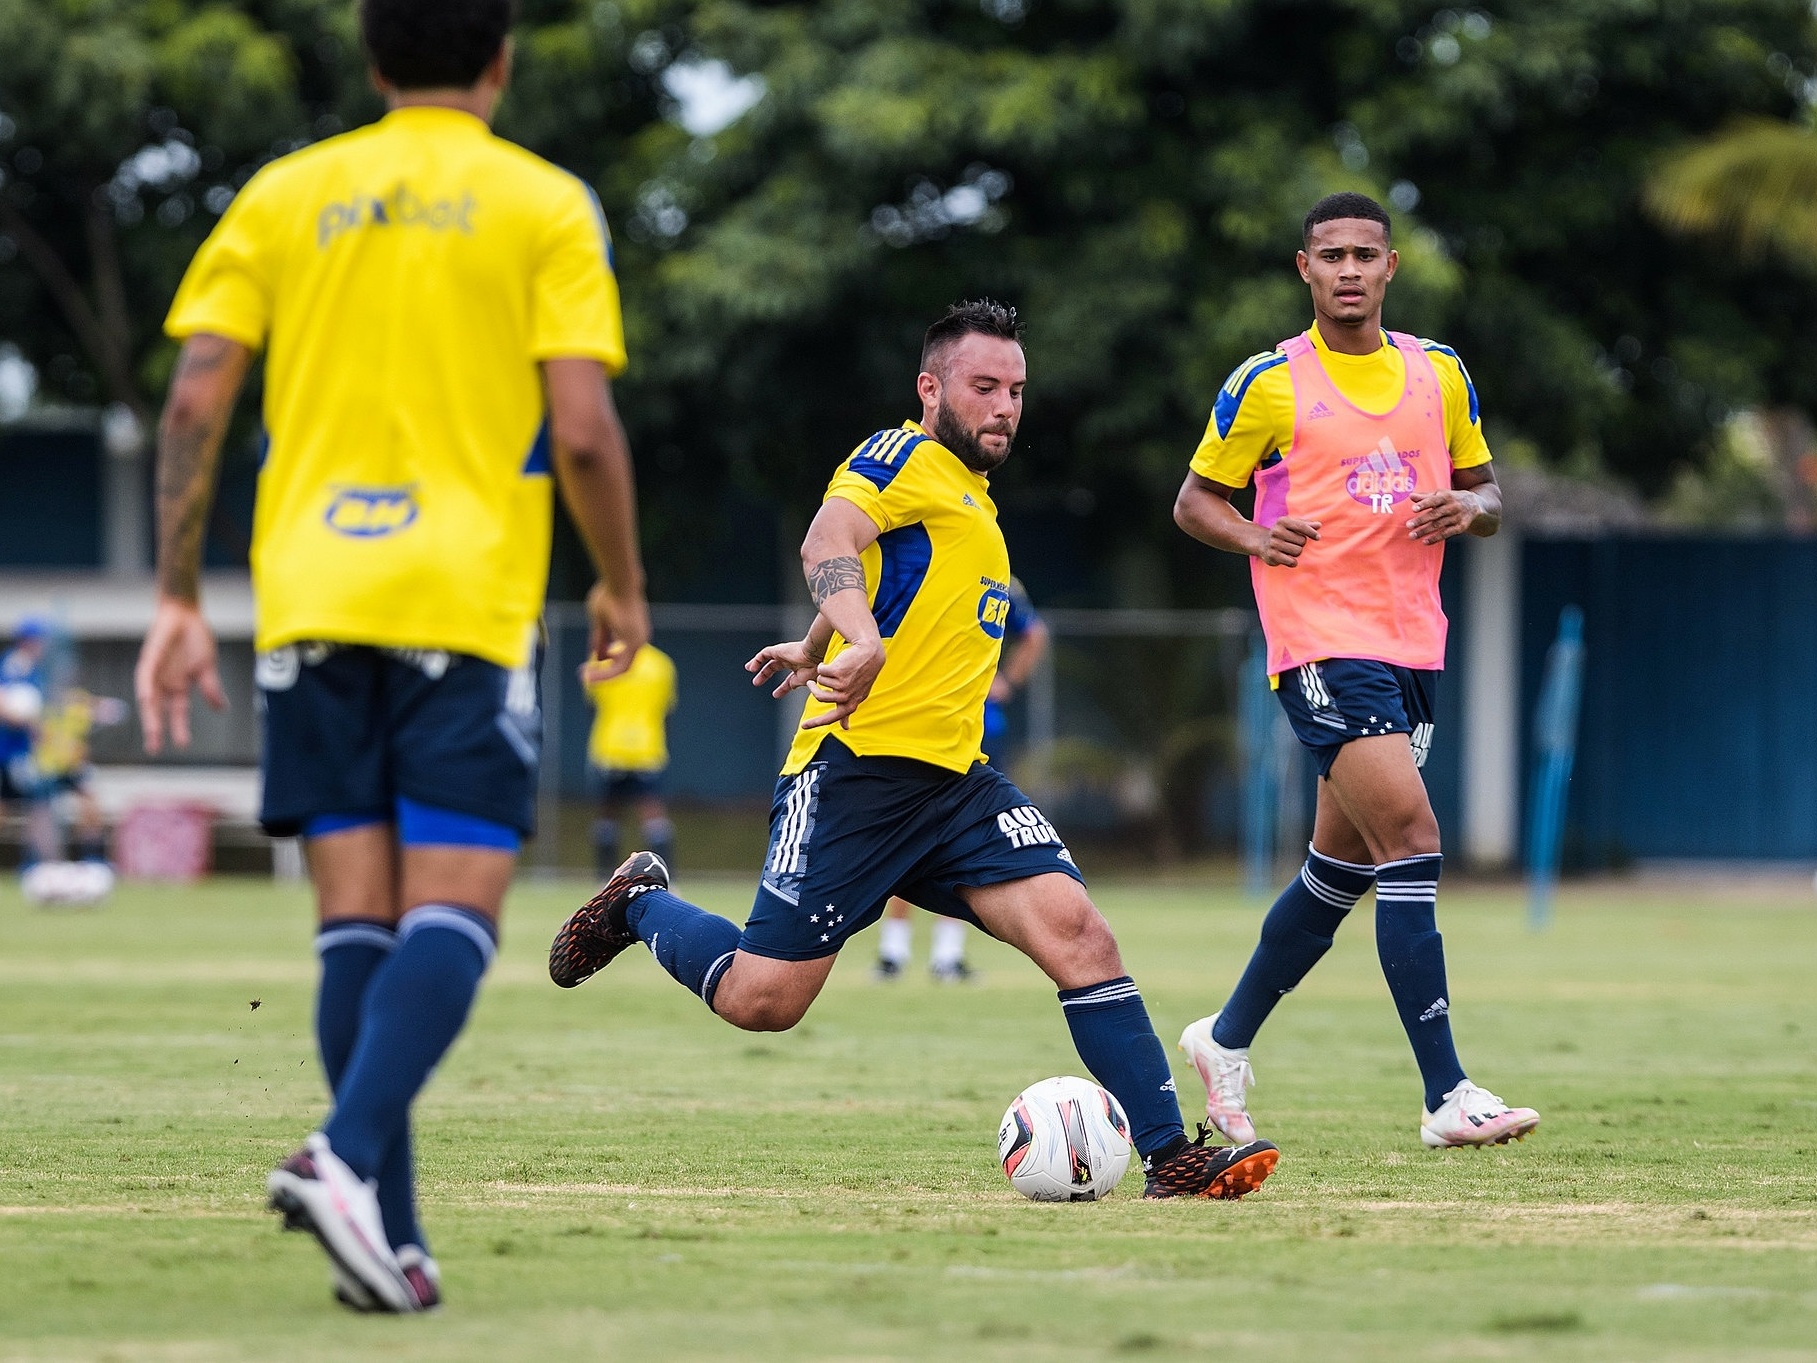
[24, 684]
[1024, 646]
[1367, 455]
[628, 751]
[885, 790]
[440, 321]
[61, 758]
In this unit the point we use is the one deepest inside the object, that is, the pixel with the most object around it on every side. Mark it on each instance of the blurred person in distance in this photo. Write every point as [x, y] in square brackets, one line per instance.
[628, 752]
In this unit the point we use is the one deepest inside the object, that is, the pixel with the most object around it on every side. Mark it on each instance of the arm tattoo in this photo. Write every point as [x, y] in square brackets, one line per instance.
[186, 475]
[832, 575]
[201, 355]
[189, 447]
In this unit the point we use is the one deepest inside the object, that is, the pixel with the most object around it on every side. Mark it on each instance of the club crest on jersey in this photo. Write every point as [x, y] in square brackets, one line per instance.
[371, 512]
[993, 608]
[1383, 477]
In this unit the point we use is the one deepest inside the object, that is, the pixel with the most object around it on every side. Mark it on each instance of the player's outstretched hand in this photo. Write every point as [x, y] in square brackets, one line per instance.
[796, 661]
[620, 626]
[844, 683]
[1444, 514]
[1285, 540]
[179, 652]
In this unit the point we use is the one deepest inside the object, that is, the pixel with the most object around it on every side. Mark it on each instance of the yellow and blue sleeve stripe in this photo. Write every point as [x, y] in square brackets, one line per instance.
[882, 457]
[1436, 348]
[1236, 388]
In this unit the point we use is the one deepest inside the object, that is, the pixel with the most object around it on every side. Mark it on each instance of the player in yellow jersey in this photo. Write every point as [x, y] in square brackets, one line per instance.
[440, 321]
[885, 790]
[628, 751]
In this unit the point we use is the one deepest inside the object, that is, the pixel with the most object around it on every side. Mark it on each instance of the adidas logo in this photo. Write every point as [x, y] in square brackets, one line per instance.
[1169, 1087]
[1437, 1010]
[966, 500]
[1319, 409]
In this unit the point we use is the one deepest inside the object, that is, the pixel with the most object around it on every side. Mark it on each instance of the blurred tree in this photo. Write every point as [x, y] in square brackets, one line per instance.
[127, 125]
[1754, 183]
[1132, 173]
[1752, 186]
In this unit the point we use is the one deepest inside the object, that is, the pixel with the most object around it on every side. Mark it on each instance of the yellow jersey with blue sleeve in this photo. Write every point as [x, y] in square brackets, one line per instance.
[1252, 418]
[405, 280]
[938, 582]
[631, 714]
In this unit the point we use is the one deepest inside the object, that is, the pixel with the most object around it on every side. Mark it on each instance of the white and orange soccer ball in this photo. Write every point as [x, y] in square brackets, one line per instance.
[1064, 1140]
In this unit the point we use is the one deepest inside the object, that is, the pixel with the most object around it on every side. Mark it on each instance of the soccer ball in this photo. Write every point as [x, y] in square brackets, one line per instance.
[1064, 1140]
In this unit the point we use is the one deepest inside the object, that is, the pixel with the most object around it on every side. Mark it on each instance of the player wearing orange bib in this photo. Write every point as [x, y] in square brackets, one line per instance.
[1367, 455]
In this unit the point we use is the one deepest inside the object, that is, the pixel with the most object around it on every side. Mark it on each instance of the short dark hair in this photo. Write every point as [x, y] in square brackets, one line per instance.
[433, 44]
[1346, 205]
[972, 317]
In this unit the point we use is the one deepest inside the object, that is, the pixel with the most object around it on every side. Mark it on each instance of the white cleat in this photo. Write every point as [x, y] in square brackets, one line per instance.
[1474, 1116]
[317, 1192]
[1227, 1077]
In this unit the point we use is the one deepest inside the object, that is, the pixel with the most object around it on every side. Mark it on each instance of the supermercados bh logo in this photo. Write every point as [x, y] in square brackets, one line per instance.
[370, 512]
[1382, 477]
[993, 607]
[398, 208]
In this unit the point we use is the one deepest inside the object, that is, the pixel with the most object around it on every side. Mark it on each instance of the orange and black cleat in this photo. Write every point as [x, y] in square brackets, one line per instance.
[1200, 1170]
[596, 932]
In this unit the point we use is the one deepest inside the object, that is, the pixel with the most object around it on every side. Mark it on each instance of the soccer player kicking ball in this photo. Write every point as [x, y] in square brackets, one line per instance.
[1367, 456]
[884, 791]
[440, 317]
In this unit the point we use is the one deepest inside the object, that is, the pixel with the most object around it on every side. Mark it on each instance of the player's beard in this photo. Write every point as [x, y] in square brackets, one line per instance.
[951, 432]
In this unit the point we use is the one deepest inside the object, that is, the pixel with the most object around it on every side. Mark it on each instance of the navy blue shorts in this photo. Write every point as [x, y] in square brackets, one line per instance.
[848, 832]
[356, 734]
[625, 787]
[1331, 702]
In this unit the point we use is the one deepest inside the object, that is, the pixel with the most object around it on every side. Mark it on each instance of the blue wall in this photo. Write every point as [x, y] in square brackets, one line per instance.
[1699, 729]
[50, 499]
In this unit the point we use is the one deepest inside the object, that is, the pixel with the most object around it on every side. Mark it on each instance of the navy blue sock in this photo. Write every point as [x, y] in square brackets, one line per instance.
[415, 1006]
[691, 944]
[1295, 934]
[351, 950]
[1118, 1044]
[1413, 960]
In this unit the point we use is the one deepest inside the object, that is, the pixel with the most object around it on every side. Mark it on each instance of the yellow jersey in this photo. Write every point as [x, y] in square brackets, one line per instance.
[405, 280]
[938, 582]
[630, 714]
[1252, 419]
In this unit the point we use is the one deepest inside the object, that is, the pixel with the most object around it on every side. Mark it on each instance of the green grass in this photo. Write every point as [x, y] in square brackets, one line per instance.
[614, 1173]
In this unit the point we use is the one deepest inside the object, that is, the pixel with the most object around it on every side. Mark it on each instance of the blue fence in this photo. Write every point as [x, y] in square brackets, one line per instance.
[1699, 722]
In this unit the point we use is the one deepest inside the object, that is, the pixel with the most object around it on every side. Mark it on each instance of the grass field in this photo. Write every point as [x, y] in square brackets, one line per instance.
[615, 1174]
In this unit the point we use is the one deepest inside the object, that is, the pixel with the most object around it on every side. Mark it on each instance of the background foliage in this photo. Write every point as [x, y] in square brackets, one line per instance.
[1129, 172]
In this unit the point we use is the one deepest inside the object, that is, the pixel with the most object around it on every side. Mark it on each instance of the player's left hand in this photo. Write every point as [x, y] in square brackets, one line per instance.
[796, 661]
[1444, 515]
[179, 652]
[845, 683]
[620, 627]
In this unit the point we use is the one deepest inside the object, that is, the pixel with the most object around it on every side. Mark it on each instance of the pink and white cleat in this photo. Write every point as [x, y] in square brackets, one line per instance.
[1474, 1116]
[1227, 1077]
[318, 1193]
